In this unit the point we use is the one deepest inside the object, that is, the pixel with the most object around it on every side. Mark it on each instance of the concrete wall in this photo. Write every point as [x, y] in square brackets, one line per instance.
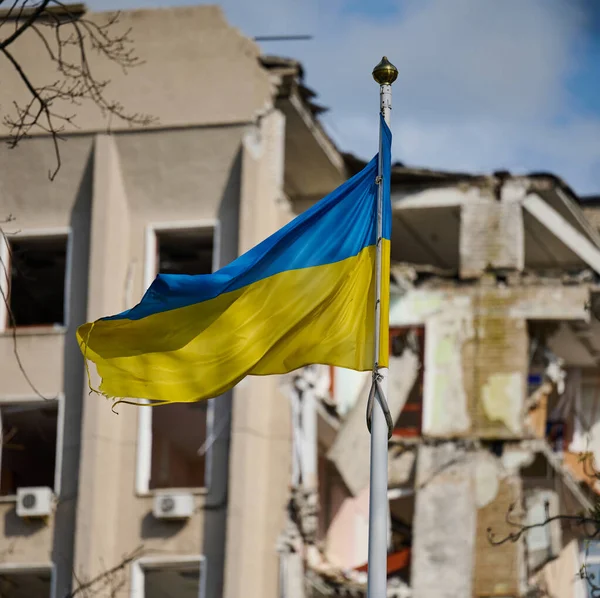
[497, 569]
[260, 465]
[152, 178]
[50, 358]
[492, 237]
[216, 505]
[476, 352]
[65, 515]
[197, 70]
[110, 189]
[103, 462]
[463, 492]
[444, 523]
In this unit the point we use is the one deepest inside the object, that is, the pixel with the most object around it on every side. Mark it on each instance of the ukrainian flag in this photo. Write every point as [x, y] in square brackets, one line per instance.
[305, 295]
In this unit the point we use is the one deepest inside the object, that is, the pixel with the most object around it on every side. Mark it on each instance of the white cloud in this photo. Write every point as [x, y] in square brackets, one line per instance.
[481, 84]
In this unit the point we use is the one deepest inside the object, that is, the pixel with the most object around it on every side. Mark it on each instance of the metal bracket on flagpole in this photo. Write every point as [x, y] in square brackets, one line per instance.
[377, 393]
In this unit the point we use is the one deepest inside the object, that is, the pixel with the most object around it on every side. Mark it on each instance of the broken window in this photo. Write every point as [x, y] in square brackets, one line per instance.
[181, 580]
[587, 417]
[410, 421]
[28, 433]
[179, 446]
[26, 583]
[402, 509]
[187, 251]
[179, 431]
[37, 281]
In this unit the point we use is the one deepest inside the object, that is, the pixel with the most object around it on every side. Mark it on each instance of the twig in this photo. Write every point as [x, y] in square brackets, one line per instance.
[35, 15]
[70, 38]
[106, 577]
[579, 520]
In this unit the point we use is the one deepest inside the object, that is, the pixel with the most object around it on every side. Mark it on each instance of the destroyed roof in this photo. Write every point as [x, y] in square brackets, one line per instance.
[291, 73]
[551, 180]
[408, 176]
[293, 95]
[590, 201]
[15, 13]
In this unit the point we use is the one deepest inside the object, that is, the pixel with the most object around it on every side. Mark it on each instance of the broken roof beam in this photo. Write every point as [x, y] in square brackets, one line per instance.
[433, 197]
[564, 473]
[550, 218]
[23, 12]
[537, 302]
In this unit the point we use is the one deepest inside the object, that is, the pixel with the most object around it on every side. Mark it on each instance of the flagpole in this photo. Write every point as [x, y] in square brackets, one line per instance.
[385, 74]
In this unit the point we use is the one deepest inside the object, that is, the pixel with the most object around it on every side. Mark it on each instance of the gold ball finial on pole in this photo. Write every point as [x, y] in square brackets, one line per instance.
[385, 73]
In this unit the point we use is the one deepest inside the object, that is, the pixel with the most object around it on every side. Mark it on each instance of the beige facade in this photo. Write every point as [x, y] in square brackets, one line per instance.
[233, 148]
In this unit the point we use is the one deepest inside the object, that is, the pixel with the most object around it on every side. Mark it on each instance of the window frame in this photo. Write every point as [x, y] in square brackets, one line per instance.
[580, 441]
[141, 565]
[19, 568]
[60, 400]
[35, 233]
[144, 439]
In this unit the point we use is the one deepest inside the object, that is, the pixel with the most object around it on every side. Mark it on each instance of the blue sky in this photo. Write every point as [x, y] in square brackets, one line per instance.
[483, 85]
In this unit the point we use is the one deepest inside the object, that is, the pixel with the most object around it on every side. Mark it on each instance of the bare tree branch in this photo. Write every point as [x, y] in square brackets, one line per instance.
[66, 38]
[28, 22]
[108, 579]
[576, 520]
[21, 126]
[10, 10]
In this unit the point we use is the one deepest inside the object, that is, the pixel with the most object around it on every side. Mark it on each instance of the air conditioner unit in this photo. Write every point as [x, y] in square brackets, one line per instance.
[173, 505]
[34, 502]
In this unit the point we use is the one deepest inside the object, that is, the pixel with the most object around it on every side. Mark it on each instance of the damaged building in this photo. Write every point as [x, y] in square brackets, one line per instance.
[494, 340]
[263, 492]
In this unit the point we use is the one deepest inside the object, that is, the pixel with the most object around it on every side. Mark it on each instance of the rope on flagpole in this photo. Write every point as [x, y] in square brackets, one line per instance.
[376, 393]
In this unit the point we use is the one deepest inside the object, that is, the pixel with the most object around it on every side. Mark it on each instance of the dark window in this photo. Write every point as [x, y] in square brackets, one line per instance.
[25, 584]
[188, 251]
[182, 581]
[178, 446]
[37, 281]
[28, 447]
[410, 421]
